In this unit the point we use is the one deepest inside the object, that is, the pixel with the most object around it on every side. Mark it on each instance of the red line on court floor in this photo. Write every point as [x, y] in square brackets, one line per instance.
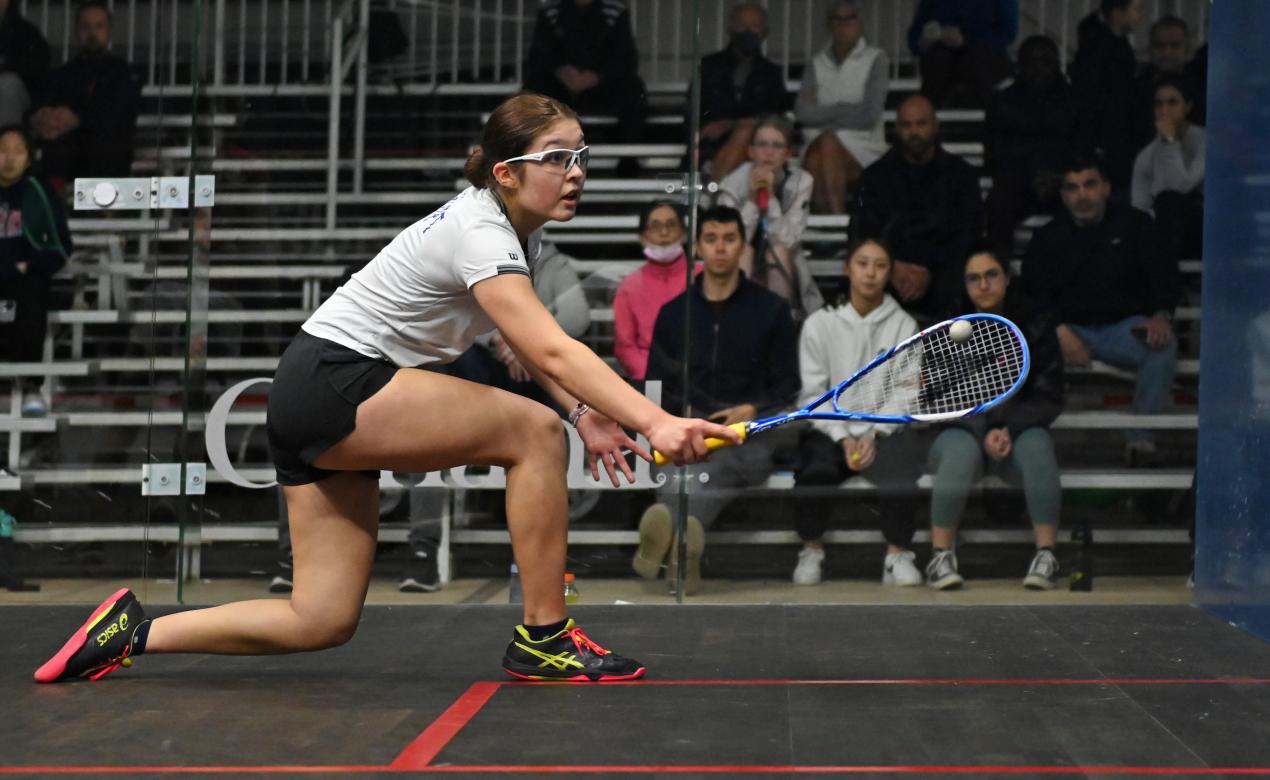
[425, 747]
[418, 755]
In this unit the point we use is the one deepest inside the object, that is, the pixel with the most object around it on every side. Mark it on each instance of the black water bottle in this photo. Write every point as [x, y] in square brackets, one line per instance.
[1082, 576]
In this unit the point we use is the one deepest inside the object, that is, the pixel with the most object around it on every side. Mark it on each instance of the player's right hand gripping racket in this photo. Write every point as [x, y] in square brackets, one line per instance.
[937, 374]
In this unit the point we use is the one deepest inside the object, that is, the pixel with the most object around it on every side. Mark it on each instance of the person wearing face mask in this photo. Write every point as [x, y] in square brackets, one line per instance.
[1012, 440]
[86, 122]
[641, 295]
[773, 195]
[34, 245]
[738, 85]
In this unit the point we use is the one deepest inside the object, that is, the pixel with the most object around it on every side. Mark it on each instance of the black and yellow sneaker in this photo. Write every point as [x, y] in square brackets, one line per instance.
[569, 656]
[101, 645]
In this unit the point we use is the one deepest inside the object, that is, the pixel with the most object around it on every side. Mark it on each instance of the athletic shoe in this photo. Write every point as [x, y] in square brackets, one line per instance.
[899, 569]
[654, 541]
[1043, 571]
[281, 582]
[569, 655]
[33, 405]
[101, 645]
[941, 572]
[694, 547]
[423, 576]
[807, 572]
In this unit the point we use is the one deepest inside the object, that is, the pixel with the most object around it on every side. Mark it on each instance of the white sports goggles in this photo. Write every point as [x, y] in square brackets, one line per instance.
[561, 160]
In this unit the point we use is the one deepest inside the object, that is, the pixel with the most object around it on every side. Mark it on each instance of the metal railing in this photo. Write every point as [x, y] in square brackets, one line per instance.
[480, 45]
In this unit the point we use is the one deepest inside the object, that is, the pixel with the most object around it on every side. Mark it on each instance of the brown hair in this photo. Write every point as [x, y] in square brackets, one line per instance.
[778, 123]
[510, 130]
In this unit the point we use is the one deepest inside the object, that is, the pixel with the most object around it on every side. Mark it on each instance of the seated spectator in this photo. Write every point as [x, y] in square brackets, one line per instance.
[1029, 128]
[491, 361]
[1197, 72]
[24, 62]
[641, 295]
[924, 202]
[773, 195]
[1012, 440]
[742, 366]
[583, 54]
[1099, 267]
[34, 245]
[86, 121]
[840, 107]
[836, 342]
[1168, 52]
[1168, 176]
[738, 85]
[1102, 75]
[963, 43]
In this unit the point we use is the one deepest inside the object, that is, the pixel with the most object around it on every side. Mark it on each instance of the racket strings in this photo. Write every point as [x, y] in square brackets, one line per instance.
[938, 375]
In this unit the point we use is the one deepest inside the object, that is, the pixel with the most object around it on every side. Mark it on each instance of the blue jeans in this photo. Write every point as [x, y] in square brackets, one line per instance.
[1116, 344]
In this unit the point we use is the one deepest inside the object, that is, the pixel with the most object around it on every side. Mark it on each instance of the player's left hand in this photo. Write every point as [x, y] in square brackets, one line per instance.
[605, 440]
[1159, 332]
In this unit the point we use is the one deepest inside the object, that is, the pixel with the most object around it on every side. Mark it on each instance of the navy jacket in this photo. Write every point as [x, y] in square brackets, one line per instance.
[1102, 75]
[596, 38]
[747, 353]
[763, 92]
[1101, 274]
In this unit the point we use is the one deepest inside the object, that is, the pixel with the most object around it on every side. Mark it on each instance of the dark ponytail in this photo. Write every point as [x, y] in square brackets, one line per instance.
[510, 131]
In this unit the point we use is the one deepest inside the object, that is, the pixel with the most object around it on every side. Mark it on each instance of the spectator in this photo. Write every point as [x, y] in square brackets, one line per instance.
[491, 361]
[1012, 440]
[1029, 128]
[963, 43]
[1098, 265]
[738, 85]
[1102, 76]
[773, 195]
[641, 295]
[1168, 176]
[583, 54]
[742, 365]
[840, 107]
[836, 342]
[925, 203]
[1168, 52]
[34, 245]
[24, 62]
[87, 119]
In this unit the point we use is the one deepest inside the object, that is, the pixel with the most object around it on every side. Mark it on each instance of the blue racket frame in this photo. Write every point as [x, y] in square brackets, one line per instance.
[808, 412]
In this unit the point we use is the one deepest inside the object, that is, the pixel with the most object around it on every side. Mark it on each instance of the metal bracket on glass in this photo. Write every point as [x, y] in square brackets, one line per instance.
[164, 479]
[156, 192]
[678, 185]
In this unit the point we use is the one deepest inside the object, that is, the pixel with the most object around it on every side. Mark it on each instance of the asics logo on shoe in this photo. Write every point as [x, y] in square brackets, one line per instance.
[111, 630]
[561, 661]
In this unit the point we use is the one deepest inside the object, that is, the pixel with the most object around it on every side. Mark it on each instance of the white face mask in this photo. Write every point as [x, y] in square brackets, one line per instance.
[663, 254]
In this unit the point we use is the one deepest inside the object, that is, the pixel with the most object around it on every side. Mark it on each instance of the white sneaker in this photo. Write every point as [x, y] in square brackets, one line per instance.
[899, 569]
[1043, 572]
[33, 405]
[941, 572]
[807, 572]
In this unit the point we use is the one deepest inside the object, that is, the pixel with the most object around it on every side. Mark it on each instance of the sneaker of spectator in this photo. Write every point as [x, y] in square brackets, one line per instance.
[810, 561]
[422, 575]
[281, 582]
[899, 569]
[1042, 574]
[33, 405]
[941, 572]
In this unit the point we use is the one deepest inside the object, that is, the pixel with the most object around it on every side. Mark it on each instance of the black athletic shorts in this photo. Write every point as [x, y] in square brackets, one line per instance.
[313, 403]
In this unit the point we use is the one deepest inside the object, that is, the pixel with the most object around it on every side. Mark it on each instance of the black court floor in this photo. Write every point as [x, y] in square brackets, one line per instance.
[754, 691]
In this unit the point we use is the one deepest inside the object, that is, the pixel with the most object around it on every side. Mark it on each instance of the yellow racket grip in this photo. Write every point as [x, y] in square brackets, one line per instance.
[712, 444]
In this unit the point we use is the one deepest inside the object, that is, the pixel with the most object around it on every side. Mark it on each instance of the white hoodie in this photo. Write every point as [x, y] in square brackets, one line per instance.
[835, 343]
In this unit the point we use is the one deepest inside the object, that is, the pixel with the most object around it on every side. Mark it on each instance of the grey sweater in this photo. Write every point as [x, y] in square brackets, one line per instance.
[1164, 166]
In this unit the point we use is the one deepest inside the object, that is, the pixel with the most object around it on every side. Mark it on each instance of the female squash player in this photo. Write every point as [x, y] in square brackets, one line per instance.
[348, 400]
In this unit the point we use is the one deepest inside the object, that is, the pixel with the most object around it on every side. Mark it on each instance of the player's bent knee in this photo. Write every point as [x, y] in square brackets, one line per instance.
[325, 633]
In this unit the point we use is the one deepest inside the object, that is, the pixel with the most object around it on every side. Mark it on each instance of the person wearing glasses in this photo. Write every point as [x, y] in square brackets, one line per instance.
[840, 107]
[1012, 440]
[773, 195]
[350, 398]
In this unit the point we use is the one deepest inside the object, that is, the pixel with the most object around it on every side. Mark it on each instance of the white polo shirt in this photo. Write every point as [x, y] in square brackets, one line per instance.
[412, 305]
